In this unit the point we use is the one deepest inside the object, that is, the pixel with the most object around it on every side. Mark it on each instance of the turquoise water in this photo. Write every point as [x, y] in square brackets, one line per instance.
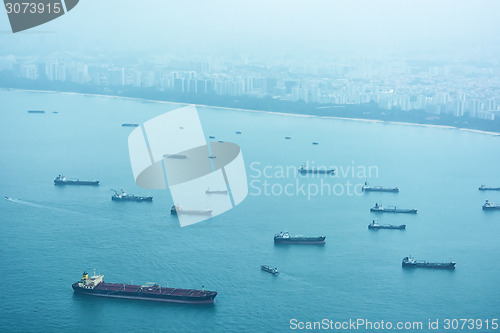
[49, 235]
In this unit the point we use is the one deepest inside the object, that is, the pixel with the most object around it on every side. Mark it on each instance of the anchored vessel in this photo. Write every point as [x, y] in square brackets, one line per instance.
[130, 125]
[62, 180]
[123, 196]
[368, 188]
[410, 262]
[305, 170]
[488, 205]
[36, 111]
[150, 291]
[178, 156]
[285, 238]
[486, 188]
[210, 191]
[380, 209]
[268, 269]
[175, 210]
[374, 225]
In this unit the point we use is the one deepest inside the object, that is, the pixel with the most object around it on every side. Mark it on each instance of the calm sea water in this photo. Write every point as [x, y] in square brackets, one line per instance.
[49, 235]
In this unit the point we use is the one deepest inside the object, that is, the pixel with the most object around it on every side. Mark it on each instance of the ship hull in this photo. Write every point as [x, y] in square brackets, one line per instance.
[385, 210]
[430, 265]
[76, 182]
[489, 189]
[317, 171]
[393, 190]
[112, 290]
[300, 240]
[398, 227]
[491, 207]
[136, 199]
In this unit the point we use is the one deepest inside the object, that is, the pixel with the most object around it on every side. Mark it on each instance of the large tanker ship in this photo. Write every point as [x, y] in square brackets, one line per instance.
[96, 286]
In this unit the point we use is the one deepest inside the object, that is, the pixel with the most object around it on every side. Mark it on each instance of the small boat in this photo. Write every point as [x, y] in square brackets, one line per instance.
[123, 196]
[486, 188]
[62, 180]
[488, 205]
[410, 262]
[315, 143]
[36, 111]
[392, 209]
[268, 269]
[287, 137]
[8, 198]
[375, 226]
[211, 137]
[129, 125]
[176, 210]
[238, 132]
[221, 141]
[368, 188]
[210, 191]
[304, 170]
[212, 156]
[55, 112]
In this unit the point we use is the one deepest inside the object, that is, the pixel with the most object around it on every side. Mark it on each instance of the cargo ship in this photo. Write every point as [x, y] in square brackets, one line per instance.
[62, 180]
[96, 286]
[368, 188]
[268, 269]
[375, 226]
[285, 238]
[123, 196]
[488, 205]
[177, 156]
[393, 209]
[210, 191]
[410, 262]
[36, 111]
[176, 210]
[129, 125]
[486, 188]
[305, 170]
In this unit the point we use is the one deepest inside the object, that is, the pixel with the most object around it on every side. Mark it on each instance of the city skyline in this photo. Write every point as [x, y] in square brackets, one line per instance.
[459, 88]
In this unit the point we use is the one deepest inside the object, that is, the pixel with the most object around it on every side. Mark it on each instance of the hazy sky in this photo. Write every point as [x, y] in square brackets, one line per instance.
[364, 26]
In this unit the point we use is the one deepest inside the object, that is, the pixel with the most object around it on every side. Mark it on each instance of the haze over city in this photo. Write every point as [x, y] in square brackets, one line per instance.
[320, 28]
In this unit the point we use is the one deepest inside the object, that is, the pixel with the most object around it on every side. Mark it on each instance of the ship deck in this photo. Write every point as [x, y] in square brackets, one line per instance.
[153, 290]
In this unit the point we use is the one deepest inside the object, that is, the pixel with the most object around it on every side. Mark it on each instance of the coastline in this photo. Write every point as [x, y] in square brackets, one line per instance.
[259, 111]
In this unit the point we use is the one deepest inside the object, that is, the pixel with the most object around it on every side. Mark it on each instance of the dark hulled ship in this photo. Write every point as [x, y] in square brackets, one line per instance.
[368, 188]
[123, 196]
[488, 205]
[375, 226]
[62, 180]
[305, 170]
[268, 269]
[96, 286]
[487, 188]
[410, 262]
[176, 210]
[285, 238]
[393, 209]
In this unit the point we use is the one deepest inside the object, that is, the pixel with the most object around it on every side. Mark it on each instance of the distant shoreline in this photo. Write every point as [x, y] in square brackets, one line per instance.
[261, 111]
